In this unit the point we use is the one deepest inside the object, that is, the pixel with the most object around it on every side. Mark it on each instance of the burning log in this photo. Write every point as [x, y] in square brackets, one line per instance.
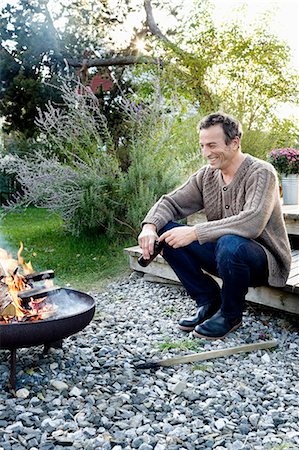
[5, 299]
[37, 293]
[20, 300]
[40, 276]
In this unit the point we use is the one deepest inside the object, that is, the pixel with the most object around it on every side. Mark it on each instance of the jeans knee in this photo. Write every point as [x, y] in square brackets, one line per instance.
[168, 226]
[229, 247]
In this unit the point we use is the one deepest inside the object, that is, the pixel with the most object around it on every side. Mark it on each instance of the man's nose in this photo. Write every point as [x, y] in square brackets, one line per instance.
[204, 151]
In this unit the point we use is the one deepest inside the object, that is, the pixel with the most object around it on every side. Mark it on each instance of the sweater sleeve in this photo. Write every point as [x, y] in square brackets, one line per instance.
[178, 204]
[251, 220]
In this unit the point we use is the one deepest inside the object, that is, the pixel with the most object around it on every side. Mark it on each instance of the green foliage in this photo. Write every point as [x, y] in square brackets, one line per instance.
[34, 50]
[252, 74]
[243, 71]
[77, 173]
[76, 129]
[184, 142]
[86, 263]
[285, 133]
[257, 142]
[19, 102]
[83, 194]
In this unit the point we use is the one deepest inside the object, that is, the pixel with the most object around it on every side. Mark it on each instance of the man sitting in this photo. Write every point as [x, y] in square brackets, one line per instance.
[244, 242]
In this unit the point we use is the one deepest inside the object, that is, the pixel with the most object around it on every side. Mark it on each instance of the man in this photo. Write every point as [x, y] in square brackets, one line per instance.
[244, 242]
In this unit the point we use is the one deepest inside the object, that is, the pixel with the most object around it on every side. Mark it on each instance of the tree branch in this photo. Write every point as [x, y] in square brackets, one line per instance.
[153, 27]
[115, 61]
[126, 60]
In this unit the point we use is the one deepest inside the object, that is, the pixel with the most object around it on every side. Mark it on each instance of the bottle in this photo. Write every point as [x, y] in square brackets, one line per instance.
[157, 248]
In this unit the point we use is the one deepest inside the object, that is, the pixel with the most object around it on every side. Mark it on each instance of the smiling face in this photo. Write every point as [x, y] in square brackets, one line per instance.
[219, 154]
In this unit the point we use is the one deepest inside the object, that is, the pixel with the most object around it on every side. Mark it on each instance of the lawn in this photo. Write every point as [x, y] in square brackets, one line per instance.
[84, 263]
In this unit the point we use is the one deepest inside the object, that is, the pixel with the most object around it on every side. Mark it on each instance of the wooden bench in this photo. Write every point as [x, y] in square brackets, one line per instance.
[286, 299]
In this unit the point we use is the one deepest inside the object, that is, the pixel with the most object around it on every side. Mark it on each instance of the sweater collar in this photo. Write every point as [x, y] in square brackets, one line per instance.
[239, 174]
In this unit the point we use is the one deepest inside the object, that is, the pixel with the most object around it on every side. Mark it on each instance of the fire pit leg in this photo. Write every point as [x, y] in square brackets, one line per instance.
[12, 375]
[56, 344]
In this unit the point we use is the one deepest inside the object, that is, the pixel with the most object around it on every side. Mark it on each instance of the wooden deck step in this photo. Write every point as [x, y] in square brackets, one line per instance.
[286, 299]
[293, 281]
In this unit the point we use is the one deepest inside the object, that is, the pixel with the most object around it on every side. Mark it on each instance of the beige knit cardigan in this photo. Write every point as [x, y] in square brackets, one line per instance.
[249, 206]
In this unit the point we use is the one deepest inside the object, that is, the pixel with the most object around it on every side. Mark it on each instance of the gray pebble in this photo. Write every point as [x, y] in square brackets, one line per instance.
[90, 396]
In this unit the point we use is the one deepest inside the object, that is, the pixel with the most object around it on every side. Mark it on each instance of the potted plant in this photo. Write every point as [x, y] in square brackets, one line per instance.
[286, 162]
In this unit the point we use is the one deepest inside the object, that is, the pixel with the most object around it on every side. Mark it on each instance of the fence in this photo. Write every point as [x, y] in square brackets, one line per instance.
[8, 187]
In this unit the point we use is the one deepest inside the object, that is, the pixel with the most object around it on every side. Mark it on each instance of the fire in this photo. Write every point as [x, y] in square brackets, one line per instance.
[12, 307]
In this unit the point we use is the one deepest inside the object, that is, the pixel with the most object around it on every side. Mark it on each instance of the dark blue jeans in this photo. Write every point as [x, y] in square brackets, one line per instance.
[238, 261]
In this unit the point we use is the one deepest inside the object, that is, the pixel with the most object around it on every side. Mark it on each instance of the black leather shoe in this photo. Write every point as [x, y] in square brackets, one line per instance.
[217, 327]
[203, 313]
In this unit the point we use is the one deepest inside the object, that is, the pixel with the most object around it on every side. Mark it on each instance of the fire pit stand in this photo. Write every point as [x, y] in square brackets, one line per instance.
[12, 373]
[13, 362]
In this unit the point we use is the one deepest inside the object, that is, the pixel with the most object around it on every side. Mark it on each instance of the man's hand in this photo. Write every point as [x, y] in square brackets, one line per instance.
[179, 236]
[147, 238]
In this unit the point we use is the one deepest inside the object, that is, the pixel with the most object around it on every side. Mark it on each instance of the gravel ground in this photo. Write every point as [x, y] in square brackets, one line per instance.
[90, 396]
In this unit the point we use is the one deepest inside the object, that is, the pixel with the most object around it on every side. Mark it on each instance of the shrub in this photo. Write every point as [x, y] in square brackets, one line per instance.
[84, 195]
[77, 174]
[153, 170]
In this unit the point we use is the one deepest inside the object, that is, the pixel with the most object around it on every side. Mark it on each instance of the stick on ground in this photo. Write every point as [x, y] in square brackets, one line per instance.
[207, 355]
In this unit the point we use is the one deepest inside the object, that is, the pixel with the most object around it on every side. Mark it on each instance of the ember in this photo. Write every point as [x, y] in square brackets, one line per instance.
[16, 278]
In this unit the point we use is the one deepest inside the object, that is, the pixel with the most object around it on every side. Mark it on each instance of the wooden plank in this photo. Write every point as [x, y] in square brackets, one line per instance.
[295, 259]
[292, 226]
[210, 354]
[293, 271]
[281, 299]
[290, 211]
[292, 278]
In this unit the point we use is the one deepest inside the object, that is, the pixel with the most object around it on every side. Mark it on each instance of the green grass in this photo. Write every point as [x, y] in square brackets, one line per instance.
[82, 262]
[186, 344]
[201, 367]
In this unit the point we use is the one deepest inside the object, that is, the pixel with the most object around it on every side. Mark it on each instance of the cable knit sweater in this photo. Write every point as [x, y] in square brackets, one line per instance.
[249, 206]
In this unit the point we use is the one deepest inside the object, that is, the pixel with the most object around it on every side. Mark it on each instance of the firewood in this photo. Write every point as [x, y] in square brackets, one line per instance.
[5, 298]
[40, 276]
[37, 293]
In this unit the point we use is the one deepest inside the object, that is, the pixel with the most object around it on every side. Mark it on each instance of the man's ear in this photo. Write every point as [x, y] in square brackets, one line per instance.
[236, 143]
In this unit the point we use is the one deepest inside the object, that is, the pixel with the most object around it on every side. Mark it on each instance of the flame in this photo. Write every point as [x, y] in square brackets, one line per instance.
[16, 282]
[27, 267]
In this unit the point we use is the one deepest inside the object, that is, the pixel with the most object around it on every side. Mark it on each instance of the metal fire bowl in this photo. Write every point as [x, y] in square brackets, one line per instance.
[55, 328]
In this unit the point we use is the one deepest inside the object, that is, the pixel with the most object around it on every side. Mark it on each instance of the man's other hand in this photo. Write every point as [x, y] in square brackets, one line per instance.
[147, 238]
[179, 236]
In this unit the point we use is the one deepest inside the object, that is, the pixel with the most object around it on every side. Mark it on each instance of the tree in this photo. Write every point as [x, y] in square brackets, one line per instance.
[29, 55]
[34, 51]
[245, 72]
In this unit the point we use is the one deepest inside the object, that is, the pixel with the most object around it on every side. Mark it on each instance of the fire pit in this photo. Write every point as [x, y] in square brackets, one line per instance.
[42, 315]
